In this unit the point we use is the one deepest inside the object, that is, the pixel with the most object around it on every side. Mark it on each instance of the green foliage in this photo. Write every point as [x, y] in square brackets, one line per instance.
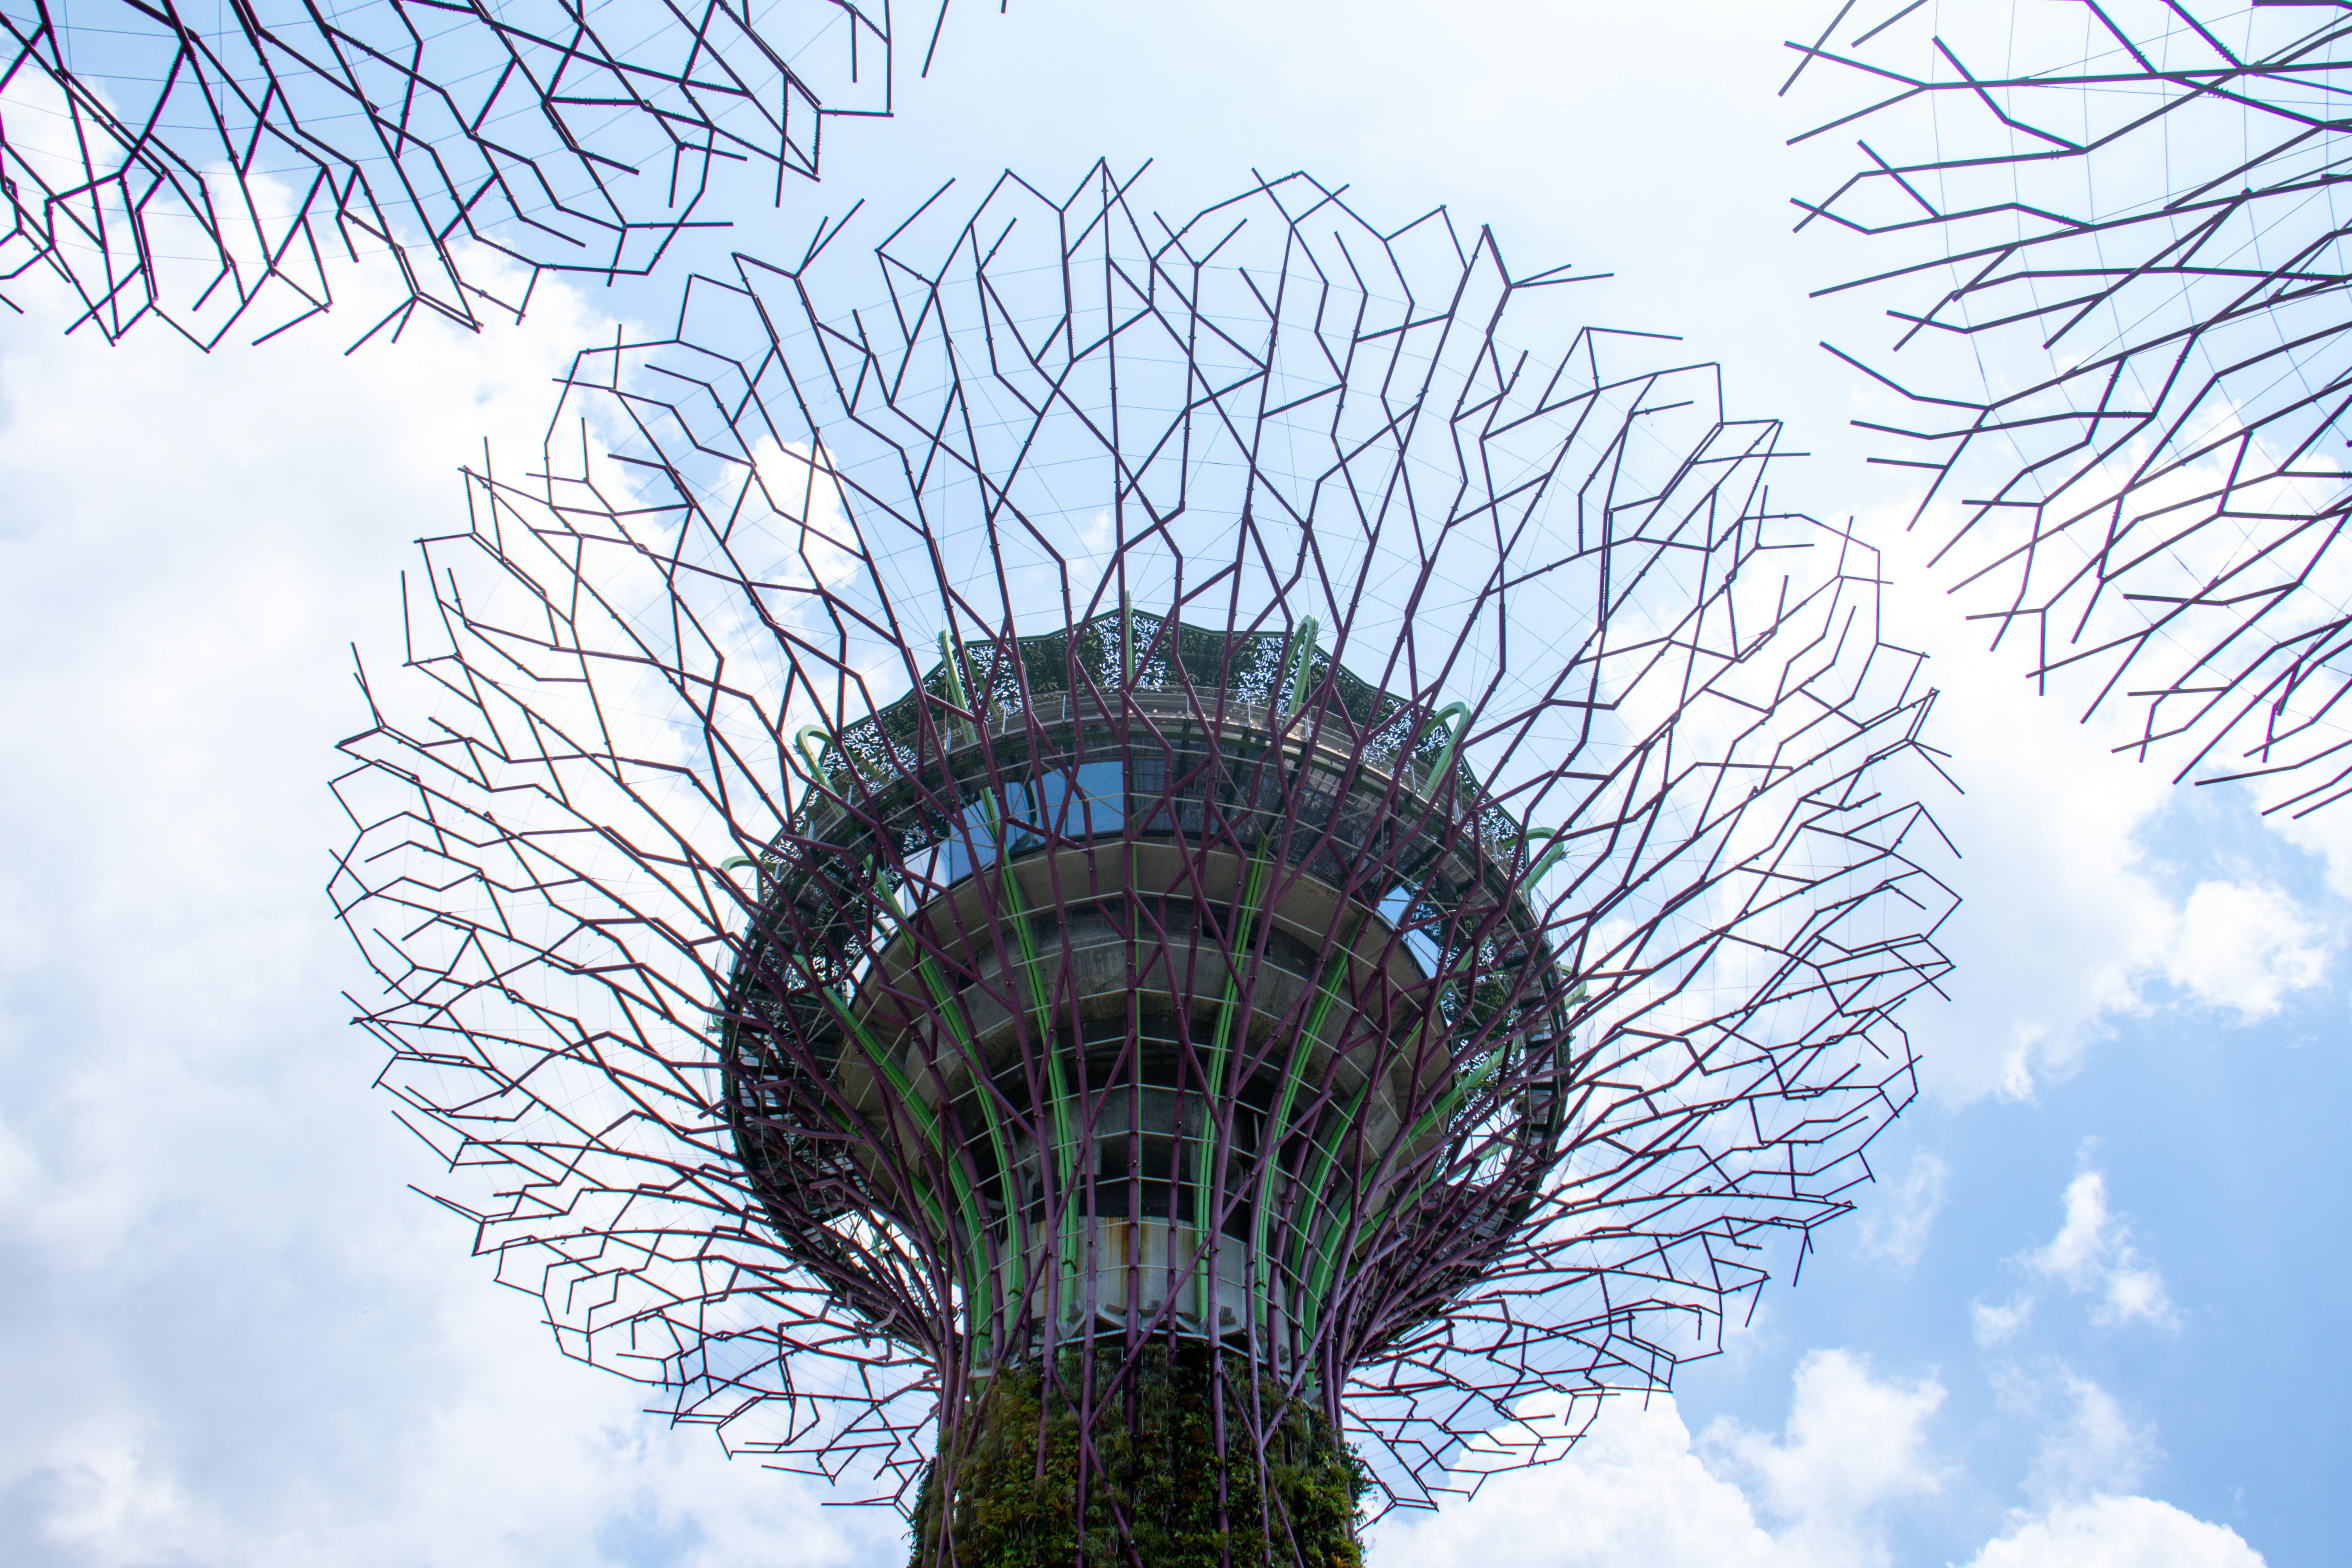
[1154, 1495]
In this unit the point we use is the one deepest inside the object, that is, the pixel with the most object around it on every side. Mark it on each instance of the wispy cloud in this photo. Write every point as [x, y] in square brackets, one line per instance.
[1895, 1227]
[2090, 1444]
[2094, 1254]
[1992, 1324]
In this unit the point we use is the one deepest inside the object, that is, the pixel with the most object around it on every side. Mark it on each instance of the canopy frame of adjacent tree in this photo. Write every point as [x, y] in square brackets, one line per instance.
[2105, 241]
[216, 167]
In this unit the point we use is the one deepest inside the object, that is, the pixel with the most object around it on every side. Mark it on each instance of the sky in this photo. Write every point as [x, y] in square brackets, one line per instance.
[2082, 1317]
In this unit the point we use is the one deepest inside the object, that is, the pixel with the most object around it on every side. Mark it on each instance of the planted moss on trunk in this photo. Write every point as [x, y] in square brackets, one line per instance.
[1159, 1493]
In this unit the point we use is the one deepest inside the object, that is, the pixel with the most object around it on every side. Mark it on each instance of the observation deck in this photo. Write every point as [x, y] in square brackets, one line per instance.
[1157, 1009]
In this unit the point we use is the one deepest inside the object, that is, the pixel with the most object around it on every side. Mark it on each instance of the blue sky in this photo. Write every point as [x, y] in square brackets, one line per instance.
[2085, 1316]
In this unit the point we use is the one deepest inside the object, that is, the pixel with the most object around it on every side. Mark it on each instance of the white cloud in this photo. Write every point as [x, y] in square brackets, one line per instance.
[2118, 1532]
[1631, 1490]
[2075, 1254]
[2047, 806]
[1639, 1492]
[2134, 1291]
[1897, 1220]
[100, 1506]
[1638, 1489]
[235, 1338]
[2245, 946]
[2327, 834]
[1853, 1444]
[2093, 1252]
[534, 1462]
[2066, 925]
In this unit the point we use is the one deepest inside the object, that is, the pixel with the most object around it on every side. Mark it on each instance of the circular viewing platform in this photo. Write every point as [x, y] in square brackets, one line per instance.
[1157, 1006]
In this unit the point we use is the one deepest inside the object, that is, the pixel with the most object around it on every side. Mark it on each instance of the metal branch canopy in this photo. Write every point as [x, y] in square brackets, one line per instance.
[204, 164]
[1127, 874]
[2116, 266]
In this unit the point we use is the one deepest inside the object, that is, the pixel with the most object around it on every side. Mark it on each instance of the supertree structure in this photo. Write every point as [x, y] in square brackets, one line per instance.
[1149, 883]
[2110, 241]
[204, 163]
